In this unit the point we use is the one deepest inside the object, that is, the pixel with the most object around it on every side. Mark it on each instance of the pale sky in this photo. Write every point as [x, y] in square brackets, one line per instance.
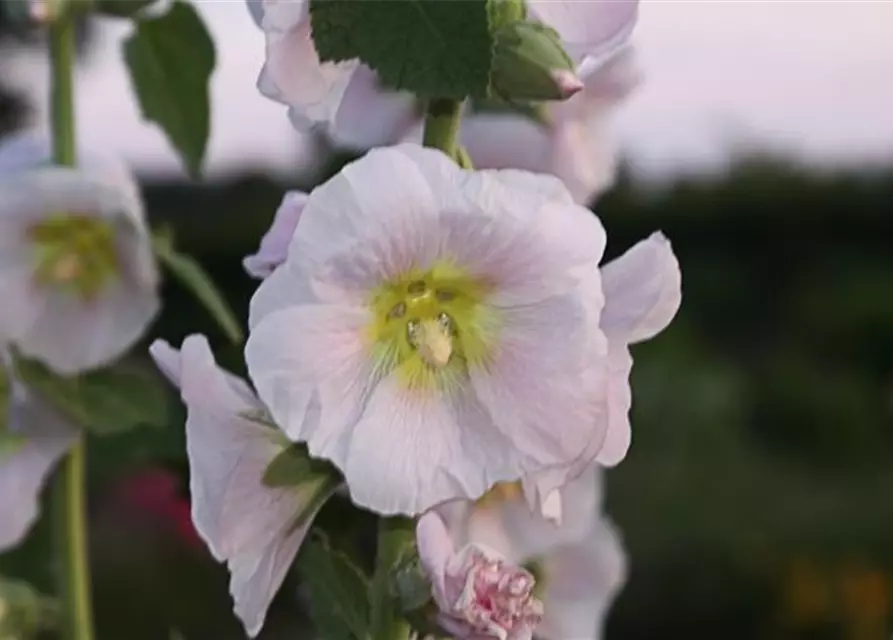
[813, 78]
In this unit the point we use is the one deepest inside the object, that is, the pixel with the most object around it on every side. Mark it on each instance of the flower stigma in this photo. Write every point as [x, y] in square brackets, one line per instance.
[429, 325]
[74, 253]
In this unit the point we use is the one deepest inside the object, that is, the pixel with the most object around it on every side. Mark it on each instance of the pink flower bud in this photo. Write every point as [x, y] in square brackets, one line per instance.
[479, 594]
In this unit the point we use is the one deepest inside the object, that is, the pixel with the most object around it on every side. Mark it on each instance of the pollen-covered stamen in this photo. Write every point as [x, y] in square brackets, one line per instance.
[433, 339]
[74, 252]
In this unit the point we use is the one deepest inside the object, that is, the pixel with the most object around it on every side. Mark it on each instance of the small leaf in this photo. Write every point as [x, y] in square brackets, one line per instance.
[338, 592]
[294, 467]
[191, 274]
[171, 59]
[433, 48]
[104, 402]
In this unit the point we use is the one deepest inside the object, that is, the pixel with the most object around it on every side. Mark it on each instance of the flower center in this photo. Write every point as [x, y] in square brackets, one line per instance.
[74, 253]
[430, 324]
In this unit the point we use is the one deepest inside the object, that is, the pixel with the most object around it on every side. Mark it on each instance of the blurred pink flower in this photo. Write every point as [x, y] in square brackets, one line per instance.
[570, 139]
[345, 99]
[479, 594]
[154, 492]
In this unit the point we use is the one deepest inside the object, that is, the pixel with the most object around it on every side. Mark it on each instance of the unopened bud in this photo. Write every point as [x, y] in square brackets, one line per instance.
[530, 64]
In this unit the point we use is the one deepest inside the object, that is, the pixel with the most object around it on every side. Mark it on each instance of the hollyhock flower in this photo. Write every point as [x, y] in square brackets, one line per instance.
[643, 291]
[478, 593]
[580, 563]
[274, 245]
[568, 139]
[432, 330]
[77, 274]
[345, 98]
[36, 440]
[256, 529]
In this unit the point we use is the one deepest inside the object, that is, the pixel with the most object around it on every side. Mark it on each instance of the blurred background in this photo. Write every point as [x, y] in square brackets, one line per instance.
[757, 500]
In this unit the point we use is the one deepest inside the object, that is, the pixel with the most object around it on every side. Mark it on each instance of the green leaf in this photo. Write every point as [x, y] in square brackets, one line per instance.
[105, 402]
[171, 59]
[434, 48]
[294, 467]
[338, 591]
[191, 274]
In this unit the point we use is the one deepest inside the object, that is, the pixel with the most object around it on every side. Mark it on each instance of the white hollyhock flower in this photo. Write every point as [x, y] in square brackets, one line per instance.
[274, 245]
[432, 330]
[569, 139]
[345, 98]
[580, 564]
[36, 439]
[643, 291]
[256, 529]
[77, 275]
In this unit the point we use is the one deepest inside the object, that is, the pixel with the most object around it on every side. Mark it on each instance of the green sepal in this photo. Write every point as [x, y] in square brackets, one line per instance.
[527, 56]
[294, 467]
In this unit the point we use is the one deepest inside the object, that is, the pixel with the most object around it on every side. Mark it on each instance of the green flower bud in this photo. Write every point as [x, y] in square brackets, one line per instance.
[530, 64]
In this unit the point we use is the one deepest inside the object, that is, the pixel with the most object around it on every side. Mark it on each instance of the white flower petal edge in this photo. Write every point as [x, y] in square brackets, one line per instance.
[582, 581]
[274, 245]
[24, 470]
[255, 529]
[343, 99]
[643, 292]
[401, 451]
[62, 330]
[593, 28]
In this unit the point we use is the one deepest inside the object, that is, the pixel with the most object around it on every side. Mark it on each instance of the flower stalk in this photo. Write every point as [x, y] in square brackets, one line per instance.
[442, 125]
[69, 499]
[395, 538]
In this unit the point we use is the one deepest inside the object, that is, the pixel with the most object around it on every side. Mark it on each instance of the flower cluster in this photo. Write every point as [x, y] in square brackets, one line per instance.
[429, 340]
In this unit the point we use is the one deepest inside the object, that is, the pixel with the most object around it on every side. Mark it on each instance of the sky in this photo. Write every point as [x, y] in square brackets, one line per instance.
[807, 78]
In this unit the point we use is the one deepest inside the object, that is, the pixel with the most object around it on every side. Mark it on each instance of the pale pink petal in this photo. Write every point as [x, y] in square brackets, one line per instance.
[412, 450]
[591, 28]
[317, 353]
[274, 245]
[369, 115]
[287, 285]
[25, 468]
[532, 386]
[255, 529]
[619, 434]
[643, 291]
[582, 581]
[507, 141]
[435, 547]
[387, 202]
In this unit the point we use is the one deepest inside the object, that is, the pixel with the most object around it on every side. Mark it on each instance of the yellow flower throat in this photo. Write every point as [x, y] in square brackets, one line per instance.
[74, 253]
[430, 324]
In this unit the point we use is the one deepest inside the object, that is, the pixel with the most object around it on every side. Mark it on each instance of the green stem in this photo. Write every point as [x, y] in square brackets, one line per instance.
[442, 125]
[395, 537]
[69, 492]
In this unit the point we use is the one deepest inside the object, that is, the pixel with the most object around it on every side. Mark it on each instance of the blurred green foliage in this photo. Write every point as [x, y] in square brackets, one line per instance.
[755, 499]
